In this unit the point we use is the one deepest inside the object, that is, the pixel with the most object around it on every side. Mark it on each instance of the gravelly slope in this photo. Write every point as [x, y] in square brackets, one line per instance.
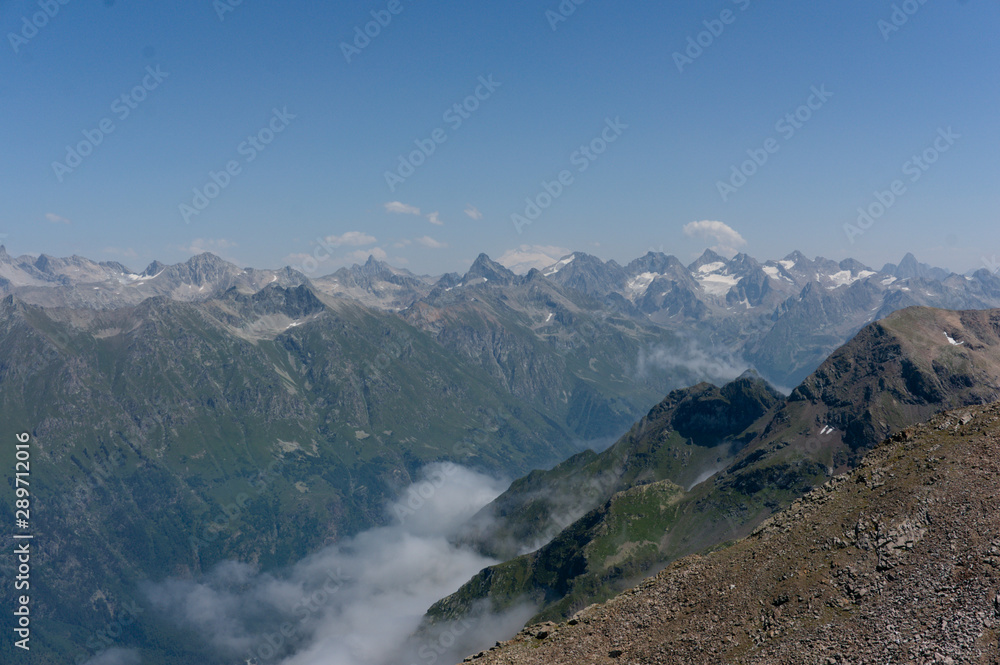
[897, 561]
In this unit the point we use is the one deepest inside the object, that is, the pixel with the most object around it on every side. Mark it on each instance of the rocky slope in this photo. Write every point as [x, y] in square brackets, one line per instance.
[894, 373]
[895, 561]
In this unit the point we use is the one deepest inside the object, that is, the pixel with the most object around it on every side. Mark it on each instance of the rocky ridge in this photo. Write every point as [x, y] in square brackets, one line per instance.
[896, 561]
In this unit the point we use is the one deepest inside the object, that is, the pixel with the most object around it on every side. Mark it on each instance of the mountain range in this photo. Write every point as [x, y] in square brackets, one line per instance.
[199, 413]
[709, 464]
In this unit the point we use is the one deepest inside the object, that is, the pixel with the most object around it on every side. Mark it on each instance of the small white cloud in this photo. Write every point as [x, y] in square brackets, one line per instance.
[361, 255]
[427, 241]
[351, 239]
[526, 257]
[214, 245]
[401, 208]
[56, 219]
[435, 218]
[728, 240]
[473, 213]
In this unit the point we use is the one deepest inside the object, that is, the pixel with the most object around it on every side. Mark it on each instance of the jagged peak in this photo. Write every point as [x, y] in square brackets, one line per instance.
[708, 256]
[485, 267]
[154, 268]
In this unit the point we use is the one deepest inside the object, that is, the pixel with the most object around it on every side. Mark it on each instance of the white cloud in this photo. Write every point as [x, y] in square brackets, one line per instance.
[56, 219]
[427, 241]
[473, 212]
[526, 257]
[361, 255]
[401, 208]
[357, 602]
[728, 240]
[214, 245]
[435, 218]
[351, 239]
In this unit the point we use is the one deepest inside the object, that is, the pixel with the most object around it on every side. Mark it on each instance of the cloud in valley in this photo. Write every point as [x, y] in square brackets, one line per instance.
[357, 603]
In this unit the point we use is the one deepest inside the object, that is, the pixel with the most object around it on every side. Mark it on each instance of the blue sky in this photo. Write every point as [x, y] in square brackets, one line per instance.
[224, 71]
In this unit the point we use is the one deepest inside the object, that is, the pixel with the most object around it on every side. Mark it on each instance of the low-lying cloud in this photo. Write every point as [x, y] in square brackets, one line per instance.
[357, 603]
[715, 365]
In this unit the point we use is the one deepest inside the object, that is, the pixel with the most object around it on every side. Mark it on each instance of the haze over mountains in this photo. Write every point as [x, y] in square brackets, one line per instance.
[192, 416]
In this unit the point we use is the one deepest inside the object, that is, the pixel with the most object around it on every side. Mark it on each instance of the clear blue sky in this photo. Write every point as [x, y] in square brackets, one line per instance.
[324, 174]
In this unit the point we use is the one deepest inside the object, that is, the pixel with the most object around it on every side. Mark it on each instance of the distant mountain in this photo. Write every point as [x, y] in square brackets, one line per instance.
[780, 317]
[641, 503]
[82, 283]
[897, 561]
[376, 284]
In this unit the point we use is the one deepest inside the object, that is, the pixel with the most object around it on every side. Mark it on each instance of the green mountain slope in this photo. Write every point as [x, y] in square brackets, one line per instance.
[894, 373]
[171, 435]
[897, 561]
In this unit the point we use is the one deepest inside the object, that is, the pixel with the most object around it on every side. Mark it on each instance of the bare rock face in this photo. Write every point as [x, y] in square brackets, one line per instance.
[897, 561]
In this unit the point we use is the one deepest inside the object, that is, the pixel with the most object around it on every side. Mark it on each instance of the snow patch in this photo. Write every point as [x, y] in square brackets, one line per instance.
[559, 265]
[846, 277]
[637, 285]
[717, 285]
[951, 340]
[711, 267]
